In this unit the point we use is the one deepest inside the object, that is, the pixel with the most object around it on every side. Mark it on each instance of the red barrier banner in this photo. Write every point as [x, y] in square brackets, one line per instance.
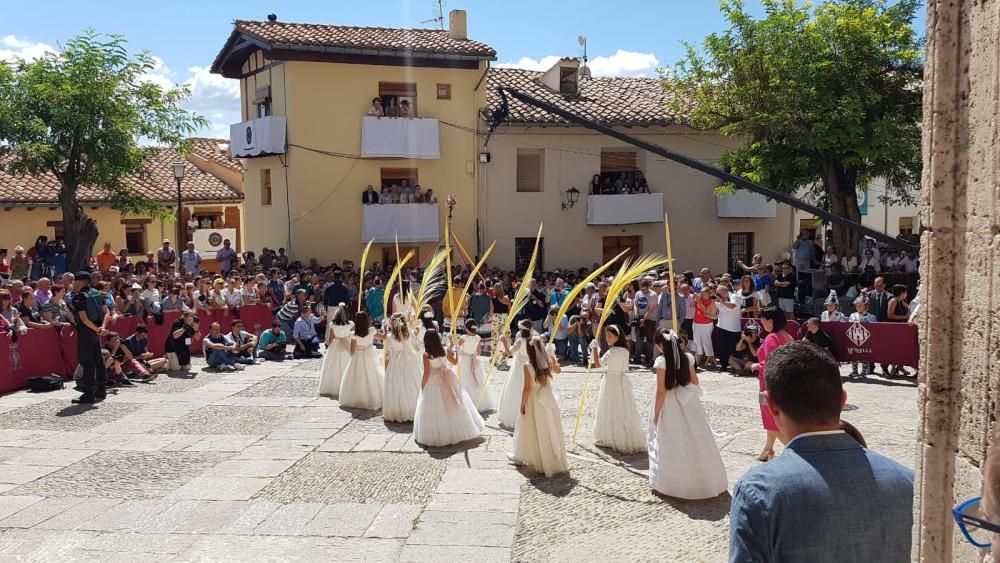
[880, 343]
[46, 352]
[792, 327]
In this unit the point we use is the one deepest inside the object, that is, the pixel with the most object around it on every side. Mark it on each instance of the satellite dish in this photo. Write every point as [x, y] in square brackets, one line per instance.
[585, 71]
[581, 40]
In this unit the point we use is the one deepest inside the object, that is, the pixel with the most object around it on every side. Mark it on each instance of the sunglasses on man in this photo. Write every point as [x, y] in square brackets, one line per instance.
[976, 529]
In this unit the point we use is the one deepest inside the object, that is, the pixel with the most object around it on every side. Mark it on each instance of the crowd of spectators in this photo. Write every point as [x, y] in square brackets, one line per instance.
[395, 193]
[621, 183]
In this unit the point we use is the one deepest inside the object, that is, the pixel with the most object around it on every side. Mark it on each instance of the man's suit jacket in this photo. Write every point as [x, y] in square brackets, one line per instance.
[824, 499]
[878, 305]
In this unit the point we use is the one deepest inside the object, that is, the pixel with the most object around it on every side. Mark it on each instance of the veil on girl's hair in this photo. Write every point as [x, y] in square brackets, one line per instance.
[541, 355]
[673, 340]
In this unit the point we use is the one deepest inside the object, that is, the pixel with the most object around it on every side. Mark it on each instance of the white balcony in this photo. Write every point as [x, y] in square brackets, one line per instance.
[258, 137]
[624, 209]
[411, 222]
[400, 137]
[744, 204]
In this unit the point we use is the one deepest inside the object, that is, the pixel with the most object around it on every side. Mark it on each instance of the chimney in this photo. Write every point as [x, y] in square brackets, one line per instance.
[458, 25]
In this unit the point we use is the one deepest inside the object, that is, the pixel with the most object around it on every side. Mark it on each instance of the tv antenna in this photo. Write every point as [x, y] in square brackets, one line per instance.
[584, 70]
[440, 17]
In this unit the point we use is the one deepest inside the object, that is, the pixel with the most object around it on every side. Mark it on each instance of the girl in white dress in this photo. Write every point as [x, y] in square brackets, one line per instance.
[510, 397]
[338, 351]
[471, 370]
[617, 424]
[684, 461]
[446, 414]
[538, 437]
[363, 377]
[402, 377]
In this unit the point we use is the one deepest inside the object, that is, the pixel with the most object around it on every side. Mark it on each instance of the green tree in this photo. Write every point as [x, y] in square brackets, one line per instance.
[89, 115]
[825, 98]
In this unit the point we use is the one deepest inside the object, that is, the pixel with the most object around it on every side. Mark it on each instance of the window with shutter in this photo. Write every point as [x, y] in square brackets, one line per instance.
[529, 170]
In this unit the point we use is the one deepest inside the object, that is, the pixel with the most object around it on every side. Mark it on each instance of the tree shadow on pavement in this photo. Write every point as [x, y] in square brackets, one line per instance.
[712, 509]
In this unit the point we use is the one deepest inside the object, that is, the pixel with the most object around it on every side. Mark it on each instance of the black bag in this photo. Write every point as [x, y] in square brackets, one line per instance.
[43, 383]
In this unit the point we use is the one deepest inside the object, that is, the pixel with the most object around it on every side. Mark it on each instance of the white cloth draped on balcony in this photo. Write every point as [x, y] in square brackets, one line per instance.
[624, 209]
[746, 204]
[413, 222]
[402, 137]
[256, 137]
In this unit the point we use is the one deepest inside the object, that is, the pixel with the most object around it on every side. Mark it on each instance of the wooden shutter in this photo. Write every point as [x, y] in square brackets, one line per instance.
[529, 171]
[619, 161]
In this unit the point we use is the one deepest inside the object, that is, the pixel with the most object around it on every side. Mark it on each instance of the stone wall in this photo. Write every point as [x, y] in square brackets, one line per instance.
[960, 325]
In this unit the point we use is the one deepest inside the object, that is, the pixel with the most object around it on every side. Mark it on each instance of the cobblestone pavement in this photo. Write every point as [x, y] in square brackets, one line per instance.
[253, 466]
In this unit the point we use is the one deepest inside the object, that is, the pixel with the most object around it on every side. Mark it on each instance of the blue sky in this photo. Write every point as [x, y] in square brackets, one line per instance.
[625, 37]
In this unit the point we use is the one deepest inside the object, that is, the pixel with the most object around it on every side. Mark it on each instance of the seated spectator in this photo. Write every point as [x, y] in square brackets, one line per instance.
[815, 335]
[909, 263]
[106, 258]
[246, 343]
[405, 110]
[249, 261]
[183, 331]
[375, 110]
[234, 297]
[216, 299]
[151, 297]
[173, 301]
[124, 262]
[28, 312]
[10, 318]
[116, 355]
[44, 292]
[143, 362]
[19, 264]
[272, 343]
[128, 303]
[869, 263]
[57, 310]
[795, 503]
[281, 260]
[220, 350]
[429, 196]
[306, 340]
[836, 281]
[745, 353]
[890, 262]
[848, 263]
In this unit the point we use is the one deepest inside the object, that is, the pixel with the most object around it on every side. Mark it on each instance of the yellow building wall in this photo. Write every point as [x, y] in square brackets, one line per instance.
[572, 157]
[21, 226]
[324, 104]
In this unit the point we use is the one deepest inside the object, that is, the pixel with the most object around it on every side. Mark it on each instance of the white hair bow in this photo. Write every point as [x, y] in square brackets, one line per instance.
[671, 337]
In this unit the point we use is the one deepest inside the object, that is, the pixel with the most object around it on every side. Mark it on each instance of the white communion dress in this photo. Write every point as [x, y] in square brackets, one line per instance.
[338, 354]
[472, 373]
[510, 397]
[684, 461]
[402, 380]
[538, 437]
[617, 424]
[446, 414]
[363, 377]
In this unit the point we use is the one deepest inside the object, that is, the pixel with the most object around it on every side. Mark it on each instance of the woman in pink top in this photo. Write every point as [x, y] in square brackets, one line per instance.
[773, 320]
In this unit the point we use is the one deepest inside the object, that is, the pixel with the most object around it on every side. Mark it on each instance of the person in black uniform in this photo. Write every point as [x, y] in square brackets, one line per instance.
[92, 314]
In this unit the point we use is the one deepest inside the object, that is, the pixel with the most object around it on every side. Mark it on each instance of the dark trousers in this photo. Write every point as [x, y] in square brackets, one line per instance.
[687, 325]
[94, 376]
[277, 355]
[727, 343]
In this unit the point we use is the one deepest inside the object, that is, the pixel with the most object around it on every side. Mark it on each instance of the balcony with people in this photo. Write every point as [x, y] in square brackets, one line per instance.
[622, 198]
[401, 210]
[391, 127]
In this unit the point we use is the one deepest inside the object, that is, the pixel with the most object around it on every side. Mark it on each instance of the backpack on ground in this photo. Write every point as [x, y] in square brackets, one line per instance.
[44, 383]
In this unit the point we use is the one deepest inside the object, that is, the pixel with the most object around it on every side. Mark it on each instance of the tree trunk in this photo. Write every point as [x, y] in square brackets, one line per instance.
[80, 231]
[841, 187]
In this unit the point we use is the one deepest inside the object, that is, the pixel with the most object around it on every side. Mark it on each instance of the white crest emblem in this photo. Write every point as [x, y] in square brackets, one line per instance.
[858, 334]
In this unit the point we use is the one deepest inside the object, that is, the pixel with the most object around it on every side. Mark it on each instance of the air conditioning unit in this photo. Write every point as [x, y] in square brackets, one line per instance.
[208, 241]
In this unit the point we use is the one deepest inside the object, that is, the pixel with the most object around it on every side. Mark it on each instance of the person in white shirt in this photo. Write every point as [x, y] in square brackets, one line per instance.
[233, 295]
[909, 263]
[728, 324]
[830, 258]
[191, 259]
[869, 244]
[869, 261]
[891, 262]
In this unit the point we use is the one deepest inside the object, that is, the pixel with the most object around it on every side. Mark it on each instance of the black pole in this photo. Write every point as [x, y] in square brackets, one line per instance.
[707, 169]
[180, 219]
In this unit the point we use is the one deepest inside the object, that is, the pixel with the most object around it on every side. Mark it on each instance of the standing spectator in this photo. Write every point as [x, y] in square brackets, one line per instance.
[803, 251]
[19, 265]
[481, 307]
[375, 110]
[798, 503]
[644, 324]
[166, 258]
[276, 289]
[266, 259]
[4, 266]
[704, 278]
[559, 293]
[370, 196]
[183, 331]
[191, 259]
[890, 262]
[272, 343]
[246, 343]
[785, 289]
[561, 331]
[227, 257]
[92, 317]
[878, 306]
[909, 263]
[535, 308]
[774, 322]
[106, 258]
[124, 262]
[304, 334]
[728, 308]
[706, 311]
[281, 260]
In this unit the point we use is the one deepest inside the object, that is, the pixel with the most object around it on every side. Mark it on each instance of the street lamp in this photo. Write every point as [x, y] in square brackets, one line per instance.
[571, 196]
[179, 166]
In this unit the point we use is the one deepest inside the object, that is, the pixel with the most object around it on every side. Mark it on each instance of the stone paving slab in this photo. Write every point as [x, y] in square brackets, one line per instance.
[61, 415]
[230, 420]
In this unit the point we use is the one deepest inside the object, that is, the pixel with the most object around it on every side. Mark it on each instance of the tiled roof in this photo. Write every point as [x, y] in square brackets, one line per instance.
[624, 101]
[217, 151]
[156, 182]
[430, 41]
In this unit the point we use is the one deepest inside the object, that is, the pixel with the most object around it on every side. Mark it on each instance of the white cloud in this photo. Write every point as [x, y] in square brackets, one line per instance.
[13, 48]
[622, 63]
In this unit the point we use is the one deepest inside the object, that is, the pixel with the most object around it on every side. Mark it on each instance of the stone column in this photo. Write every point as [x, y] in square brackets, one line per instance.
[959, 321]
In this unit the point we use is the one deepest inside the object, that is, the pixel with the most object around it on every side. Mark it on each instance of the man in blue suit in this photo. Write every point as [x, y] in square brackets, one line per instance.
[825, 498]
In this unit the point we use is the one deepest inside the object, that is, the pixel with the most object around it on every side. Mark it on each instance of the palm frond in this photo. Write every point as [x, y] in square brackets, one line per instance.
[571, 296]
[630, 271]
[396, 272]
[432, 281]
[364, 262]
